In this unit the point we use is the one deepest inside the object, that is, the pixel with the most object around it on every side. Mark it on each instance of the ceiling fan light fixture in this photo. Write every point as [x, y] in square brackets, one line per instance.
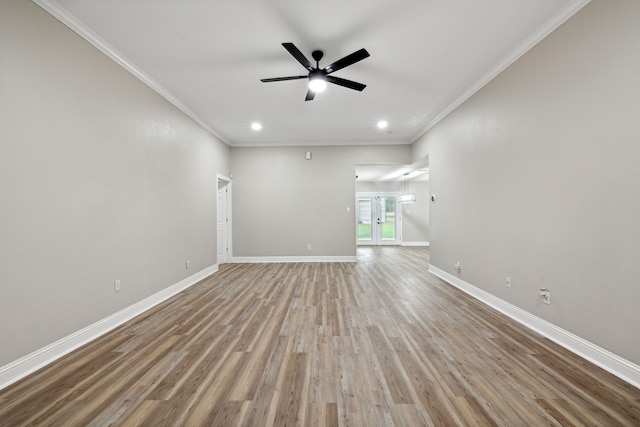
[317, 84]
[320, 77]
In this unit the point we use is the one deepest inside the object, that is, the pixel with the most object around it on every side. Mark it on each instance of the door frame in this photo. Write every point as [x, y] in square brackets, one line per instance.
[225, 182]
[376, 239]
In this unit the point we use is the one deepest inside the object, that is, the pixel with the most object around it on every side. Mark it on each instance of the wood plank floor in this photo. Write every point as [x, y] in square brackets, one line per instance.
[375, 343]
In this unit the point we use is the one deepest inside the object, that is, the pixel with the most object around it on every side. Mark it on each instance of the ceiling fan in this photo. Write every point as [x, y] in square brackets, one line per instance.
[319, 77]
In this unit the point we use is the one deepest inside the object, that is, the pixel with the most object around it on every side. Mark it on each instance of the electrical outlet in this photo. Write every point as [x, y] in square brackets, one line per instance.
[508, 281]
[116, 286]
[186, 265]
[545, 295]
[309, 247]
[457, 266]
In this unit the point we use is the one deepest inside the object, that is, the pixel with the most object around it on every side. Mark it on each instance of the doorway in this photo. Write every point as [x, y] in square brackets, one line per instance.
[378, 219]
[223, 223]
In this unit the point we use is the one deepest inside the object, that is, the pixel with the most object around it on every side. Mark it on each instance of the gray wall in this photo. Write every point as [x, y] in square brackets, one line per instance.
[100, 179]
[415, 216]
[282, 202]
[537, 178]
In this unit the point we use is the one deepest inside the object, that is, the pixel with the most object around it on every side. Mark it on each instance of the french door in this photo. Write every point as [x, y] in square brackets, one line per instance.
[378, 220]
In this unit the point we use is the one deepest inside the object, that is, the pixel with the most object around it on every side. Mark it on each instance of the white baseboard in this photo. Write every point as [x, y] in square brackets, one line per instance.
[22, 367]
[622, 368]
[279, 259]
[415, 243]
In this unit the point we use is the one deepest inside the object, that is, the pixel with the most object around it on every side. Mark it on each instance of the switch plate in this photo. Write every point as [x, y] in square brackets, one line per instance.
[545, 295]
[508, 281]
[116, 286]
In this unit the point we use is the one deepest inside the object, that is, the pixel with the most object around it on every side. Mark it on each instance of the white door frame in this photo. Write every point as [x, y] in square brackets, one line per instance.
[225, 182]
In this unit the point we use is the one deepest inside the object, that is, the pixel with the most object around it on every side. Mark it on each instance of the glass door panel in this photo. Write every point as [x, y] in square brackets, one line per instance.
[364, 216]
[387, 219]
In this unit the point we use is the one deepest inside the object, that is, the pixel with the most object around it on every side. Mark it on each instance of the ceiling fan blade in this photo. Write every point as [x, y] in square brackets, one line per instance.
[346, 83]
[347, 60]
[310, 95]
[281, 79]
[295, 52]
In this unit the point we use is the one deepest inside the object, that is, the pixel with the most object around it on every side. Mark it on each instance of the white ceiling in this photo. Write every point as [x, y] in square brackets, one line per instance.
[207, 57]
[418, 171]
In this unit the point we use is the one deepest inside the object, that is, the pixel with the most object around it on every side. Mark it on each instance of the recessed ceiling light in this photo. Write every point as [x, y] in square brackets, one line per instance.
[256, 126]
[382, 124]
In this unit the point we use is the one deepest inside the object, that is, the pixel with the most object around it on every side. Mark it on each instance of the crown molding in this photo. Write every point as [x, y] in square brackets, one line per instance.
[547, 28]
[62, 15]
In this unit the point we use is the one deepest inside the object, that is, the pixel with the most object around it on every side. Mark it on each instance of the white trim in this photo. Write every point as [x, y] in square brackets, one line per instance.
[62, 15]
[219, 176]
[547, 28]
[622, 368]
[415, 243]
[321, 142]
[22, 367]
[278, 259]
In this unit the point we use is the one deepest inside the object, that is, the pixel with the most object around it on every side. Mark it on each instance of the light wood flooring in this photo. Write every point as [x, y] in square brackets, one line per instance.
[376, 343]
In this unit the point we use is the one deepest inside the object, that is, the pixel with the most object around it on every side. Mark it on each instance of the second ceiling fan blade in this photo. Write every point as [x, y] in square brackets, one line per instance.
[310, 95]
[347, 60]
[295, 52]
[346, 83]
[280, 79]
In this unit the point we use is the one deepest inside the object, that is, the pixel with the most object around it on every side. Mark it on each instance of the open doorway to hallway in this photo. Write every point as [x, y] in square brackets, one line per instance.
[380, 218]
[223, 227]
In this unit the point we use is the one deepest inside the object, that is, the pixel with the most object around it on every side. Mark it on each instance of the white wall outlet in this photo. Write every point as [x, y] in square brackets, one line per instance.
[545, 295]
[508, 281]
[116, 286]
[186, 264]
[309, 247]
[457, 266]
